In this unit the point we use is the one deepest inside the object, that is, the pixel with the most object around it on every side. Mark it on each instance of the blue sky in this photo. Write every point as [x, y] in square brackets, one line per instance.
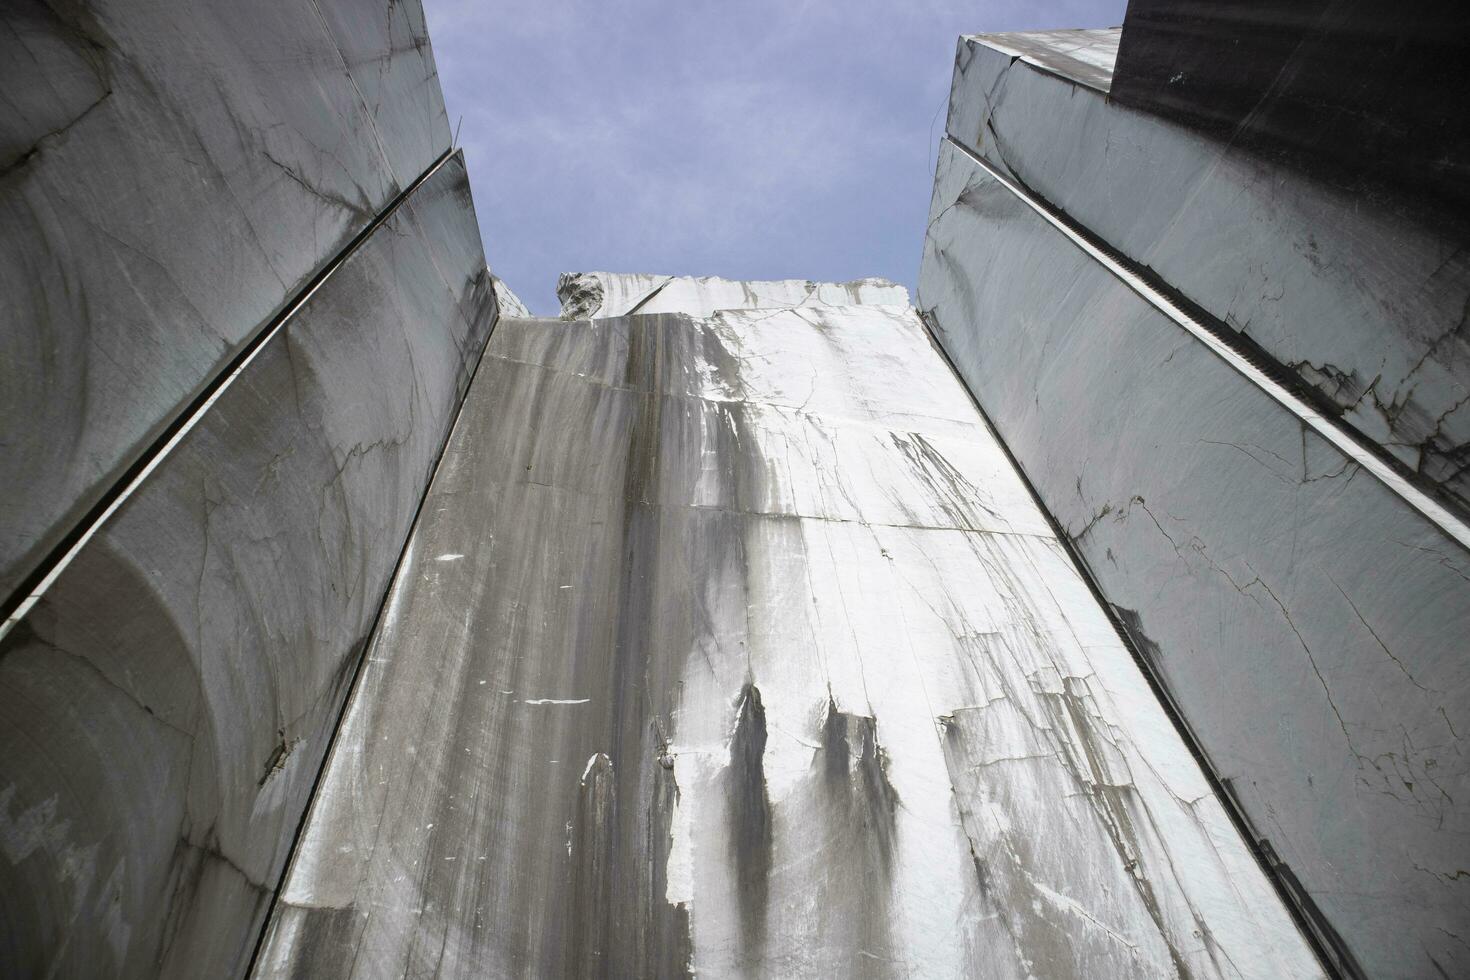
[752, 139]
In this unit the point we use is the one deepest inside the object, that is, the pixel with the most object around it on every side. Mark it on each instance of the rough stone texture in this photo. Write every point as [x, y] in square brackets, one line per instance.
[165, 708]
[586, 295]
[1364, 306]
[735, 646]
[1309, 623]
[509, 303]
[170, 175]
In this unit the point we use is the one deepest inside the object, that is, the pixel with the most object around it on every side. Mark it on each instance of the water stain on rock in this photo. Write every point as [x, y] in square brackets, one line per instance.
[750, 817]
[855, 773]
[594, 839]
[861, 808]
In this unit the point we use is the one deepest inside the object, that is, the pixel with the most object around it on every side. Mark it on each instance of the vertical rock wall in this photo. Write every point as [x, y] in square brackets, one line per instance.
[1305, 606]
[1354, 302]
[734, 646]
[175, 180]
[165, 707]
[171, 176]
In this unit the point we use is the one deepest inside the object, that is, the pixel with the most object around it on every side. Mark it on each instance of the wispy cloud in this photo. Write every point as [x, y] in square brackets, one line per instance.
[752, 139]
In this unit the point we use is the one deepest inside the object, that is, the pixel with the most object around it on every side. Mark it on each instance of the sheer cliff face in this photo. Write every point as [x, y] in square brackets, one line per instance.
[169, 180]
[1243, 395]
[167, 703]
[243, 292]
[733, 645]
[1351, 299]
[1103, 618]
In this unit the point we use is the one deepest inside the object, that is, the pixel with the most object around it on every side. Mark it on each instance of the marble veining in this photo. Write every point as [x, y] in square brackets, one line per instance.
[165, 706]
[1307, 621]
[1361, 304]
[733, 645]
[170, 178]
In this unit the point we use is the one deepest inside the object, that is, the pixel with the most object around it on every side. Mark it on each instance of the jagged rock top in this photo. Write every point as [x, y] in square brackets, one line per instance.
[506, 301]
[596, 295]
[1085, 56]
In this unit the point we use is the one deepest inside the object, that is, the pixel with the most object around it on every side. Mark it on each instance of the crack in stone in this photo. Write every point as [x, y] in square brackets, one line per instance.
[1379, 640]
[25, 156]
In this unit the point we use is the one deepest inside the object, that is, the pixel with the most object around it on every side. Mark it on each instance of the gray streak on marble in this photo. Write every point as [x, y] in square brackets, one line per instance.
[733, 644]
[169, 178]
[1364, 306]
[1309, 624]
[165, 707]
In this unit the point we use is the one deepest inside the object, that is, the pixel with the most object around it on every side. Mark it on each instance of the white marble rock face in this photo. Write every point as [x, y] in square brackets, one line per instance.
[1364, 305]
[588, 295]
[170, 176]
[1309, 622]
[166, 706]
[732, 645]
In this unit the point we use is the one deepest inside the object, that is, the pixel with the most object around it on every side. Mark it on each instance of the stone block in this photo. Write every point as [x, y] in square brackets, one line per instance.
[1308, 622]
[165, 707]
[170, 178]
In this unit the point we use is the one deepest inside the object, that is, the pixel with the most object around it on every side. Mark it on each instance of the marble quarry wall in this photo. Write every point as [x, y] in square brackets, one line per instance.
[733, 645]
[1253, 247]
[1244, 396]
[1104, 616]
[171, 182]
[244, 292]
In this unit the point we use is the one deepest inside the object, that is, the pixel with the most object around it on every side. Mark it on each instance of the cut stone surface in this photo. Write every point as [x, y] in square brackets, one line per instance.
[170, 175]
[1361, 305]
[734, 645]
[586, 295]
[1308, 622]
[165, 708]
